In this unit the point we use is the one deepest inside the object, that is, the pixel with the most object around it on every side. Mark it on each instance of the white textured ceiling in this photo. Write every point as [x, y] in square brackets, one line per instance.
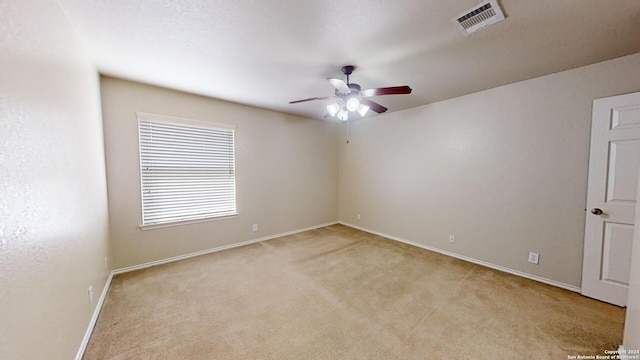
[267, 53]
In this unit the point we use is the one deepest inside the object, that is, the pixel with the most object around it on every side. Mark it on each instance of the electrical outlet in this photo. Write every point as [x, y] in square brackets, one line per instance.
[255, 227]
[358, 216]
[534, 258]
[90, 293]
[452, 239]
[106, 263]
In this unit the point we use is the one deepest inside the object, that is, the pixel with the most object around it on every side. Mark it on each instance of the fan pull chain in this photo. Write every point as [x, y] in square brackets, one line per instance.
[348, 130]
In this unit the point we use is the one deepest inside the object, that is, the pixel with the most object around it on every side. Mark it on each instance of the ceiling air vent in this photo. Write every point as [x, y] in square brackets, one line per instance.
[479, 17]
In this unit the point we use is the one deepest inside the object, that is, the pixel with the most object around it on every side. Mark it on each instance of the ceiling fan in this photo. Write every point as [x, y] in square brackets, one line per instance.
[351, 98]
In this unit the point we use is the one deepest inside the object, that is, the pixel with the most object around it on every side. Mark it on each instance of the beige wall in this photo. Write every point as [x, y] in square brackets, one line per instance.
[287, 175]
[504, 170]
[53, 201]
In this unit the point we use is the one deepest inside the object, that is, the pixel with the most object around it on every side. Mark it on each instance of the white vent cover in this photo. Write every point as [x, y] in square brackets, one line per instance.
[479, 17]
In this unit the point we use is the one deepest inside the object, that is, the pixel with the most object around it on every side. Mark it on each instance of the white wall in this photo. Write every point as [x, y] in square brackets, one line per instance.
[287, 172]
[53, 203]
[504, 170]
[632, 321]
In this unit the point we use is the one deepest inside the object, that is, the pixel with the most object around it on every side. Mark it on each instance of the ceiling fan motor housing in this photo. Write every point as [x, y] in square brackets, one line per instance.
[355, 91]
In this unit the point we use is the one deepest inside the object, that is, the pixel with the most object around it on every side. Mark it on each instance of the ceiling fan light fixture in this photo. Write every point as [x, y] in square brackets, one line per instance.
[333, 109]
[347, 96]
[362, 109]
[353, 104]
[343, 115]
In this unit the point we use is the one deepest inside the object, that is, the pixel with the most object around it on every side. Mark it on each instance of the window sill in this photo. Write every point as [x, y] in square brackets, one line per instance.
[187, 222]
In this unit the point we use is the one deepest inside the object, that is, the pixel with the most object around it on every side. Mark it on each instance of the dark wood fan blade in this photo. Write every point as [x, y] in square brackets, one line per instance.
[340, 85]
[373, 105]
[312, 99]
[393, 90]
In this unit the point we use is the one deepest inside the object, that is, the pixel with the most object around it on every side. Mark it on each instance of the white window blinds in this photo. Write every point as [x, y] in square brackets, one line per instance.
[187, 169]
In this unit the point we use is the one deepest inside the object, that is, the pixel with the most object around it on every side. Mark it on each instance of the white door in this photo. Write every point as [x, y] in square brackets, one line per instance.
[611, 199]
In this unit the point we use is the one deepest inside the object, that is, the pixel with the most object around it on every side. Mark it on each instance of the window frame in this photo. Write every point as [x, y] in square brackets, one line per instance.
[178, 121]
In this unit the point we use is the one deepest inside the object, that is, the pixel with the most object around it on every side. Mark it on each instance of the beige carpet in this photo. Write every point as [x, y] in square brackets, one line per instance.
[339, 293]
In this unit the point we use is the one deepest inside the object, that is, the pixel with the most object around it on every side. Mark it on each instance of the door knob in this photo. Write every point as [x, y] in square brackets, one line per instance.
[596, 211]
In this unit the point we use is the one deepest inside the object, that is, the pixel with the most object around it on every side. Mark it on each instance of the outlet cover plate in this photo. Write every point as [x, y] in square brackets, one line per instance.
[534, 258]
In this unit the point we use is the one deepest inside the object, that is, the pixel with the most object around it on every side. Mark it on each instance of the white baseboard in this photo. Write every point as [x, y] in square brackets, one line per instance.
[471, 260]
[212, 250]
[94, 318]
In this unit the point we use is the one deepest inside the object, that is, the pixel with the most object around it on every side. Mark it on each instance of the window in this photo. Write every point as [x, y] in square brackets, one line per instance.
[187, 170]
